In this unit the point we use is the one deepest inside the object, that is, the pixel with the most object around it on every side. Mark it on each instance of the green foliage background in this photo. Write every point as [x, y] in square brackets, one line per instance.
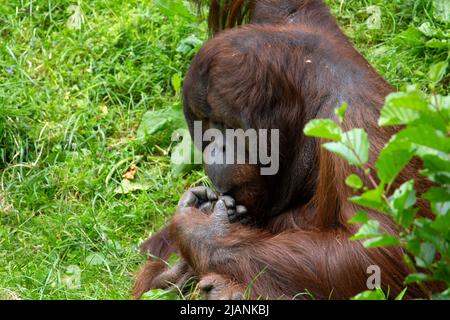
[77, 78]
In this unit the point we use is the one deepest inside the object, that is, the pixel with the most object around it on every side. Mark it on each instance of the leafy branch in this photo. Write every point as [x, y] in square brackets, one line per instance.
[425, 129]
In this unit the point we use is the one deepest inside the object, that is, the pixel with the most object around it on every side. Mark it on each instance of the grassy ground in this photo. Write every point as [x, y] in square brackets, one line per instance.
[71, 100]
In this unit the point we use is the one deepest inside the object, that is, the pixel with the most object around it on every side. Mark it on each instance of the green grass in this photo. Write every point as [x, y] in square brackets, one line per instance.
[71, 101]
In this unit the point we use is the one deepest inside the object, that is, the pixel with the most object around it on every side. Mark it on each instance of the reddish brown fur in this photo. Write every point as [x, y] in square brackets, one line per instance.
[159, 245]
[145, 275]
[258, 76]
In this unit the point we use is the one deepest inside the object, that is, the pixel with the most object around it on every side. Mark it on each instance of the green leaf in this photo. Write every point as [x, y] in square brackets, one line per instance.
[407, 217]
[393, 158]
[442, 222]
[442, 10]
[436, 166]
[95, 259]
[427, 136]
[410, 37]
[416, 277]
[412, 245]
[354, 147]
[438, 44]
[404, 197]
[441, 271]
[371, 199]
[353, 181]
[425, 231]
[340, 112]
[402, 108]
[176, 82]
[439, 198]
[428, 29]
[437, 194]
[173, 8]
[384, 240]
[360, 216]
[401, 203]
[426, 255]
[437, 71]
[358, 140]
[157, 120]
[407, 259]
[127, 186]
[367, 230]
[392, 115]
[443, 103]
[323, 128]
[445, 295]
[159, 294]
[189, 45]
[401, 294]
[185, 156]
[377, 294]
[343, 151]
